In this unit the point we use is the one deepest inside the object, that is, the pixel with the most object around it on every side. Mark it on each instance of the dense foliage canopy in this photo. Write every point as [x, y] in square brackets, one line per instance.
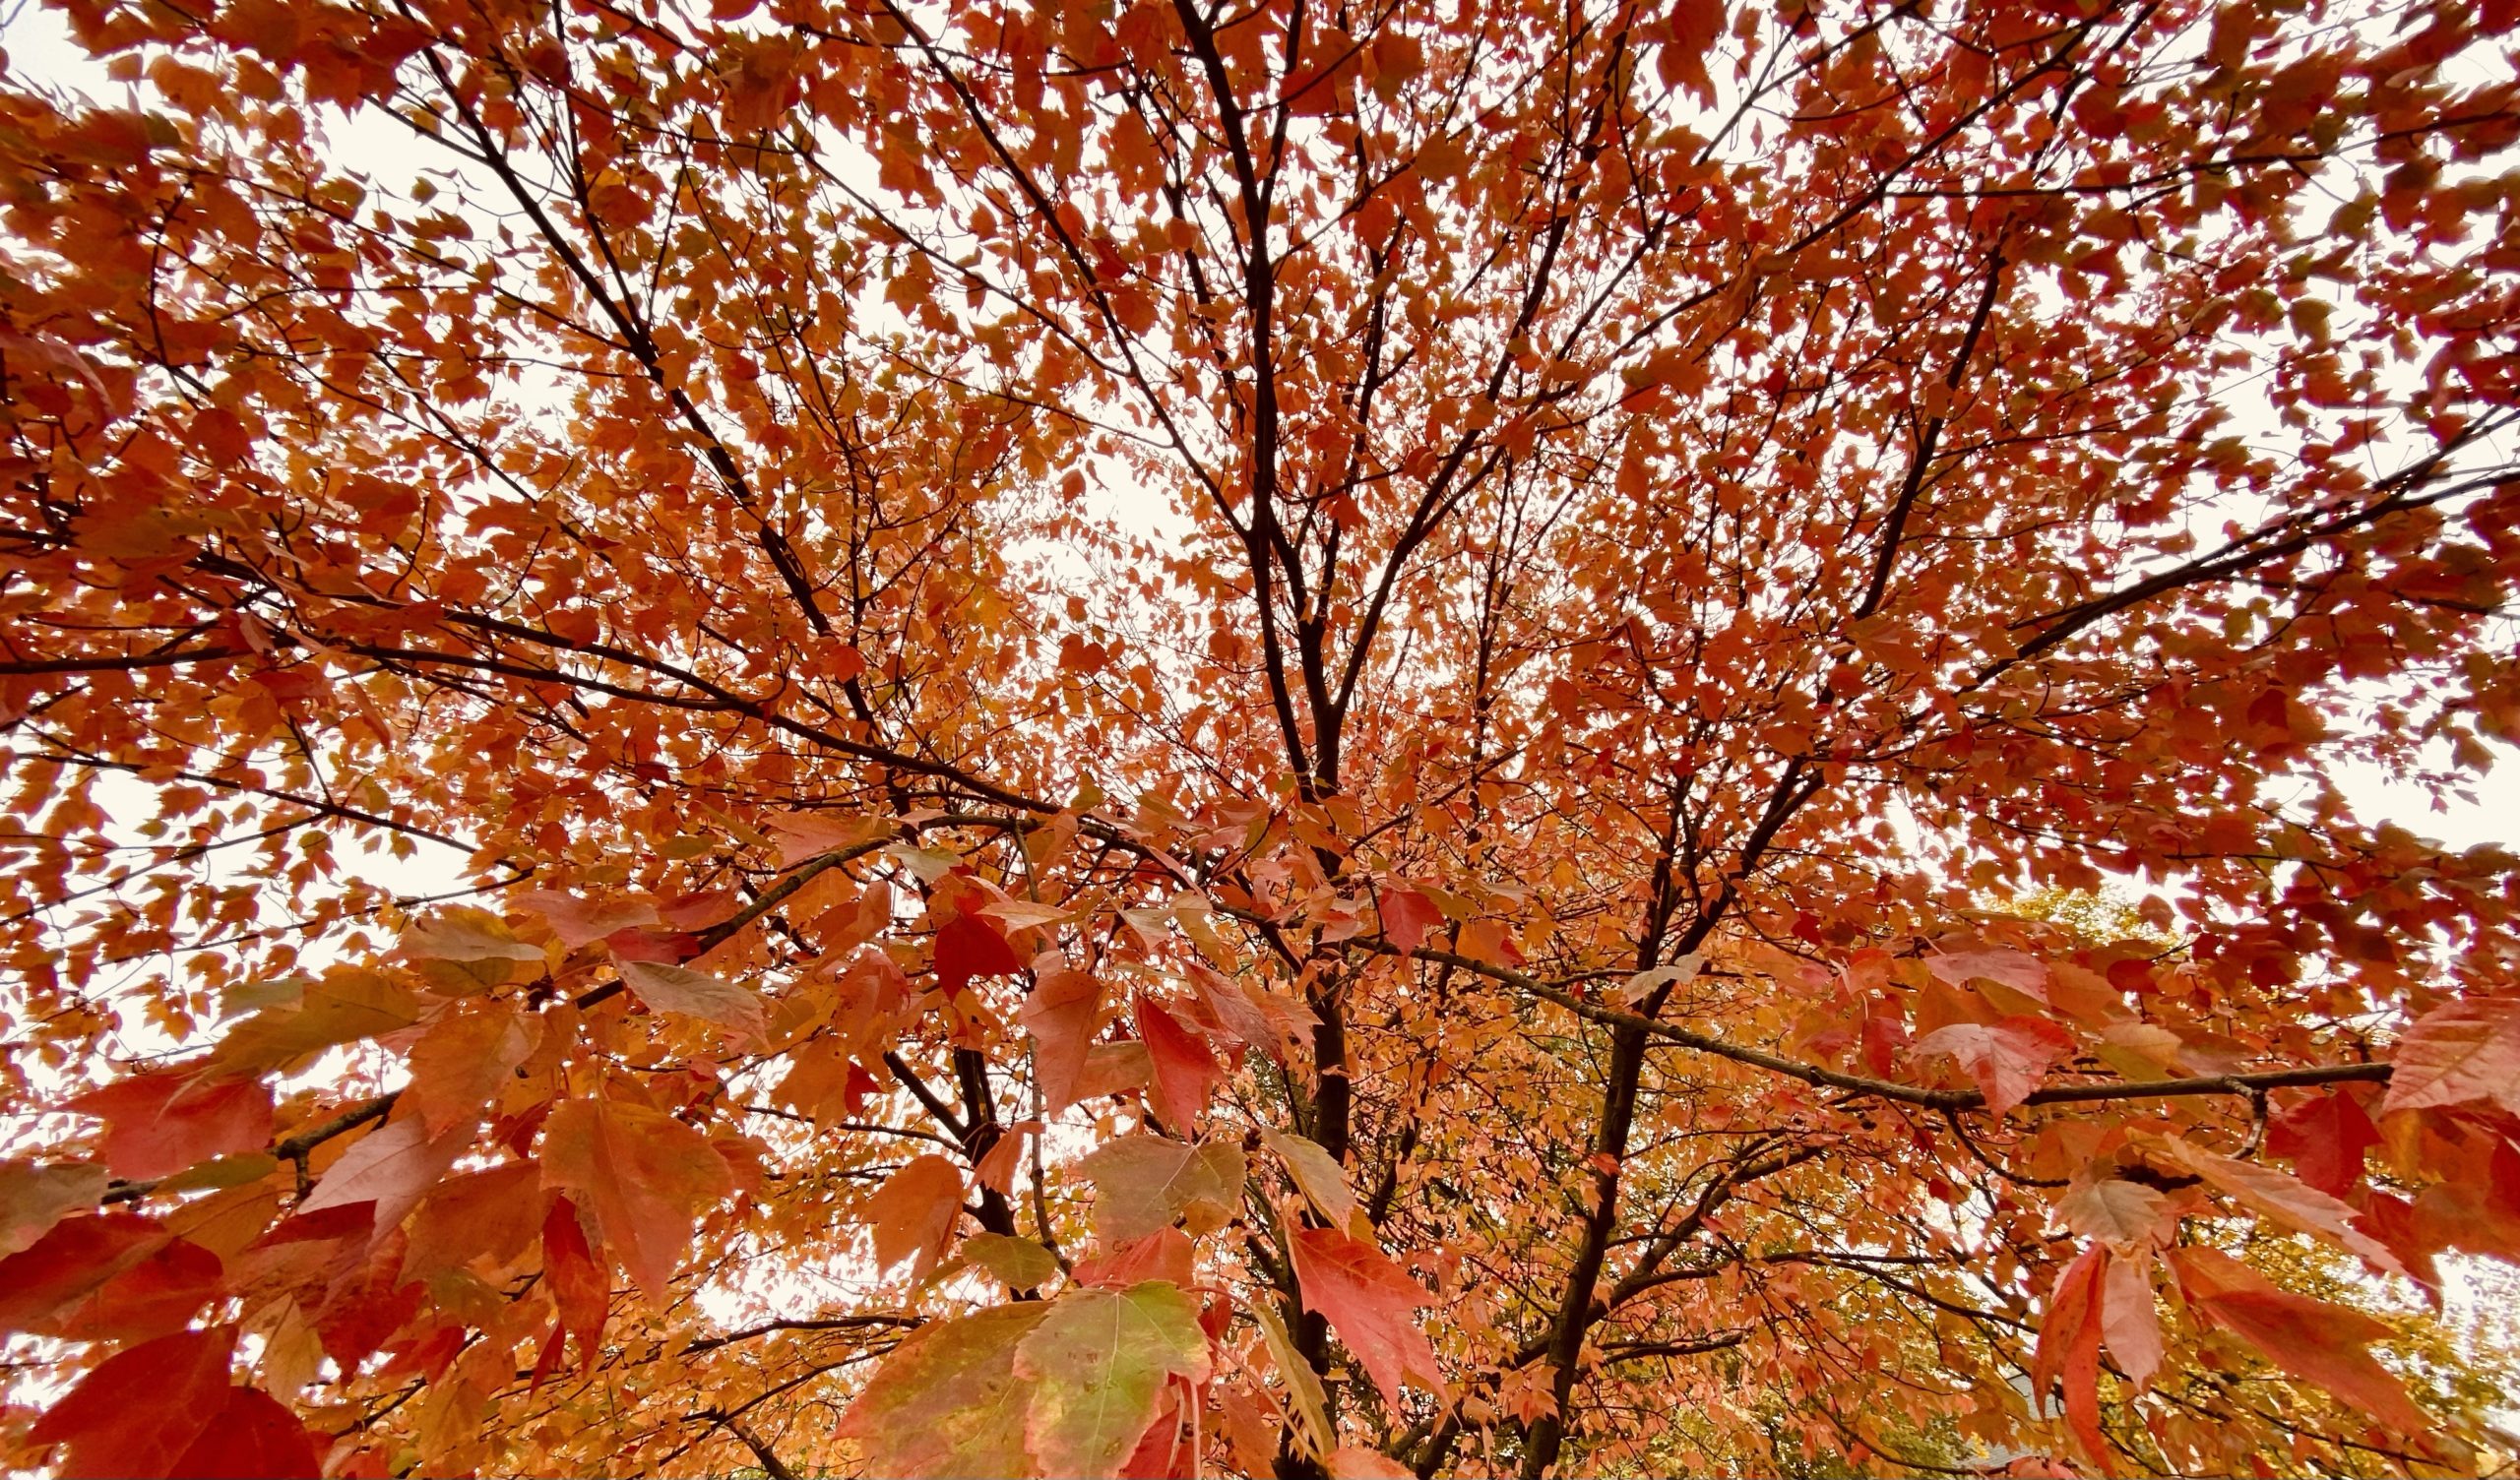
[1254, 736]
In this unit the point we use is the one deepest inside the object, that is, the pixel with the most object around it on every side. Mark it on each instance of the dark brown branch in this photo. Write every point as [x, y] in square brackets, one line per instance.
[810, 1324]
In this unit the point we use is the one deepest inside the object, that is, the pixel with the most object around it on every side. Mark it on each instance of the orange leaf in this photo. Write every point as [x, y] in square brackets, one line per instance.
[2128, 1322]
[2018, 969]
[2287, 1200]
[666, 988]
[1165, 1254]
[2007, 1057]
[967, 946]
[72, 1259]
[996, 1168]
[2313, 1340]
[1355, 1462]
[1061, 1015]
[2324, 1137]
[393, 1168]
[2069, 1348]
[1691, 32]
[946, 1402]
[252, 1437]
[583, 922]
[642, 1175]
[148, 1297]
[463, 1061]
[913, 1214]
[141, 1410]
[1368, 1300]
[2124, 1215]
[489, 1214]
[160, 1124]
[1143, 1183]
[365, 1303]
[32, 1198]
[579, 1293]
[1185, 1071]
[804, 835]
[1406, 915]
[2463, 1051]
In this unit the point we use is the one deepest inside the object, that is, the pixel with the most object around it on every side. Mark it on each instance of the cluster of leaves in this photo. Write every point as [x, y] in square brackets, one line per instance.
[1252, 738]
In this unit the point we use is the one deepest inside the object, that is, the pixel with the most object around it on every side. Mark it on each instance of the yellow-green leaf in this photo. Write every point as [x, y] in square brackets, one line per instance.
[1097, 1364]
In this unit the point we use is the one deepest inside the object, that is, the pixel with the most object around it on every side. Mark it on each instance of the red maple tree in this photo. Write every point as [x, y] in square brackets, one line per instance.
[1290, 738]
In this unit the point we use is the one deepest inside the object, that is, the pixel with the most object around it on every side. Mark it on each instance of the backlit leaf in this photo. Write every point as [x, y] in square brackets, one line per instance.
[2129, 1321]
[913, 1214]
[1408, 916]
[70, 1260]
[34, 1196]
[2006, 1059]
[2287, 1200]
[1303, 1386]
[342, 1006]
[1187, 1072]
[583, 922]
[697, 994]
[394, 1168]
[1019, 1264]
[947, 1403]
[1369, 1300]
[2126, 1216]
[580, 1295]
[2068, 1349]
[2466, 1050]
[1323, 1184]
[141, 1410]
[641, 1175]
[967, 946]
[2325, 1136]
[463, 1061]
[163, 1123]
[2018, 969]
[467, 949]
[2318, 1343]
[1061, 1015]
[252, 1437]
[1098, 1361]
[1143, 1183]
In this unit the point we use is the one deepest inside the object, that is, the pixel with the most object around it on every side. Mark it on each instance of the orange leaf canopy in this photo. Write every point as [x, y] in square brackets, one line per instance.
[1147, 737]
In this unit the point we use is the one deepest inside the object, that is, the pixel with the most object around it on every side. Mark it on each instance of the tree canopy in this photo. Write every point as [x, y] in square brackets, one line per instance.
[1273, 737]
